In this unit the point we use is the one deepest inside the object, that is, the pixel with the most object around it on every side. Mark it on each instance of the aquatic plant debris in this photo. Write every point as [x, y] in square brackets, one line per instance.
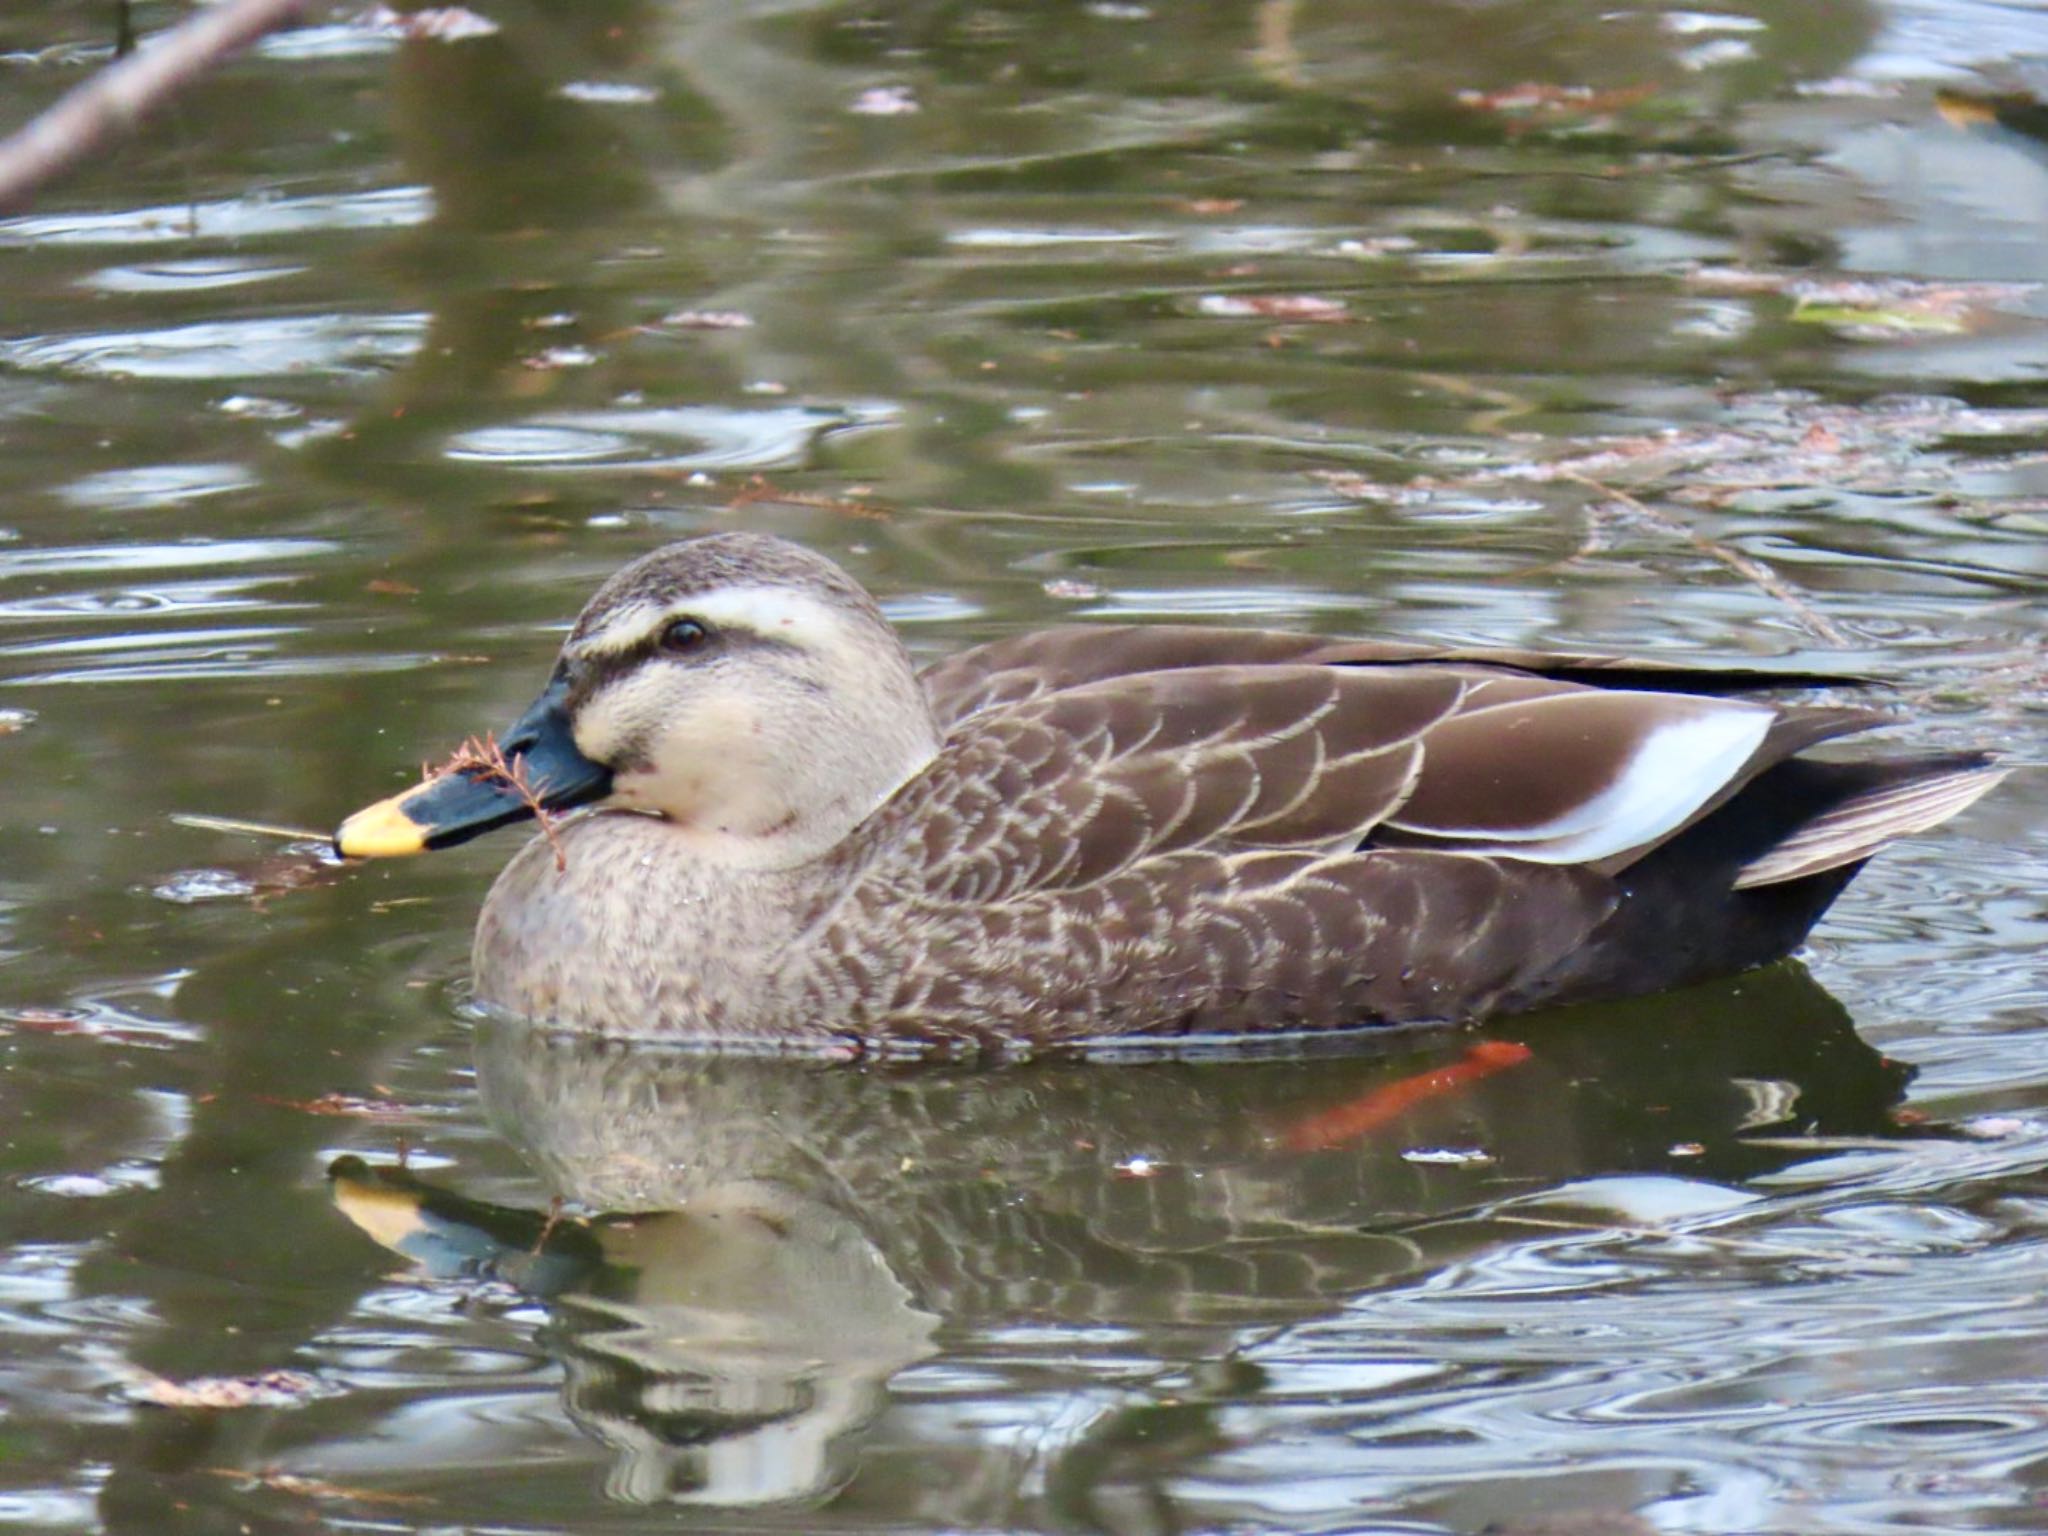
[482, 757]
[1535, 99]
[433, 24]
[1274, 306]
[761, 488]
[1766, 444]
[345, 1106]
[1871, 309]
[314, 1488]
[708, 320]
[271, 1389]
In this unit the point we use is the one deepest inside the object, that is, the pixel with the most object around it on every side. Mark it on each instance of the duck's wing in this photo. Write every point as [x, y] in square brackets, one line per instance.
[1072, 787]
[1030, 666]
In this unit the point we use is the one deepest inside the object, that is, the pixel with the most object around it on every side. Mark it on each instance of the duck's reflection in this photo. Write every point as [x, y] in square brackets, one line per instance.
[780, 1239]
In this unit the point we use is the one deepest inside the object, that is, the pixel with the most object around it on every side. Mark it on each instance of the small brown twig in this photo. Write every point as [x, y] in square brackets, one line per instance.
[761, 488]
[482, 757]
[120, 95]
[1748, 567]
[547, 1228]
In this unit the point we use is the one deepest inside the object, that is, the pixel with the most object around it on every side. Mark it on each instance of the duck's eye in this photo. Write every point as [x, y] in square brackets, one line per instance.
[683, 635]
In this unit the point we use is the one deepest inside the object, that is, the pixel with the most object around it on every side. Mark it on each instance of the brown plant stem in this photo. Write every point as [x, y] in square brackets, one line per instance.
[113, 101]
[483, 757]
[1748, 567]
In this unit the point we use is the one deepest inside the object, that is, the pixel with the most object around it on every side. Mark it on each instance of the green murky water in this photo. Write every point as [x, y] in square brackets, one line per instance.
[322, 407]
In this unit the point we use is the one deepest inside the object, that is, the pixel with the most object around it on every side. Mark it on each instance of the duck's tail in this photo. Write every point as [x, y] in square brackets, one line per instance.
[1743, 885]
[1864, 805]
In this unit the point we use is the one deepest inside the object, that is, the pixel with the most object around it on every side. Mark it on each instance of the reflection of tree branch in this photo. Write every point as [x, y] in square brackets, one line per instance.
[1766, 580]
[116, 98]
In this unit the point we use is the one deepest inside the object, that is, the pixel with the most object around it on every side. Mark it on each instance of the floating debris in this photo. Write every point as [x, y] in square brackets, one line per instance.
[608, 93]
[258, 408]
[435, 24]
[272, 1389]
[708, 320]
[1996, 1127]
[1273, 306]
[562, 357]
[1870, 309]
[1068, 587]
[346, 1106]
[313, 1488]
[189, 887]
[1447, 1157]
[1534, 98]
[200, 823]
[885, 101]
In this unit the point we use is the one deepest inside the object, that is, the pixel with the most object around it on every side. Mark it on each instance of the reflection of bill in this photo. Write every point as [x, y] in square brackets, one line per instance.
[724, 1352]
[787, 1235]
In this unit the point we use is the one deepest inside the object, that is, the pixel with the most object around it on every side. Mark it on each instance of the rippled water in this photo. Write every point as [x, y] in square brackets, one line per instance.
[326, 401]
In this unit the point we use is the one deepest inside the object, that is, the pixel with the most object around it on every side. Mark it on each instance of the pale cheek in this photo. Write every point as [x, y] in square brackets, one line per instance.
[680, 794]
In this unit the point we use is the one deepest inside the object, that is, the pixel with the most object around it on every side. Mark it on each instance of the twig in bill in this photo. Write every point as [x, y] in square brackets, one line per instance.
[483, 757]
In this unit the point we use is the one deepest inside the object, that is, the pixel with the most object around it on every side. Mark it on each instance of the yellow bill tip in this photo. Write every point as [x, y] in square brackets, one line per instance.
[388, 1216]
[381, 831]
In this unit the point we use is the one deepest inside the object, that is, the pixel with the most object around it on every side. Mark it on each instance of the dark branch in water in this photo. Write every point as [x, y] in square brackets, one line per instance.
[120, 95]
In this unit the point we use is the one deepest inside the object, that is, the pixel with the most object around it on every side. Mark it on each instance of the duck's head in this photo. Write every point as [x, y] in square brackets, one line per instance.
[737, 685]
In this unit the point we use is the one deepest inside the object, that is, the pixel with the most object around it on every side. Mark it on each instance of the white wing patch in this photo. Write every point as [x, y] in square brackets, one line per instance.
[1676, 767]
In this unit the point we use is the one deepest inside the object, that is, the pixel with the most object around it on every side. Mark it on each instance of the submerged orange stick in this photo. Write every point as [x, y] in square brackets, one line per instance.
[1369, 1111]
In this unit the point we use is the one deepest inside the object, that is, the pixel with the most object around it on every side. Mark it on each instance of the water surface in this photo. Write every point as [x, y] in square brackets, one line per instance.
[326, 401]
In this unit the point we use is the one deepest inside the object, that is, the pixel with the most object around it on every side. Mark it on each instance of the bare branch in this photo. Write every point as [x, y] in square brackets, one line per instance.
[1759, 575]
[120, 95]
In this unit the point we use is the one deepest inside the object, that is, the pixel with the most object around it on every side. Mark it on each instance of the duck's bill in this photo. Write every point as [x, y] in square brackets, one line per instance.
[540, 768]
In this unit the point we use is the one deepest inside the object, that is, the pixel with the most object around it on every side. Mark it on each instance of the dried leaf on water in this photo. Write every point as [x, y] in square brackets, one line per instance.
[1536, 99]
[1870, 309]
[313, 1487]
[1274, 306]
[346, 1106]
[707, 320]
[272, 1389]
[761, 488]
[433, 24]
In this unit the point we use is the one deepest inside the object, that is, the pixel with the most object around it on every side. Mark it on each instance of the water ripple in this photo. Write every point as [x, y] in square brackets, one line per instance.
[718, 437]
[240, 218]
[139, 557]
[229, 349]
[155, 485]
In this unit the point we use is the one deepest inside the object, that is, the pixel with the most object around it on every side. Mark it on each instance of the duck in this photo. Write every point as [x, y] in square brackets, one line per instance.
[764, 828]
